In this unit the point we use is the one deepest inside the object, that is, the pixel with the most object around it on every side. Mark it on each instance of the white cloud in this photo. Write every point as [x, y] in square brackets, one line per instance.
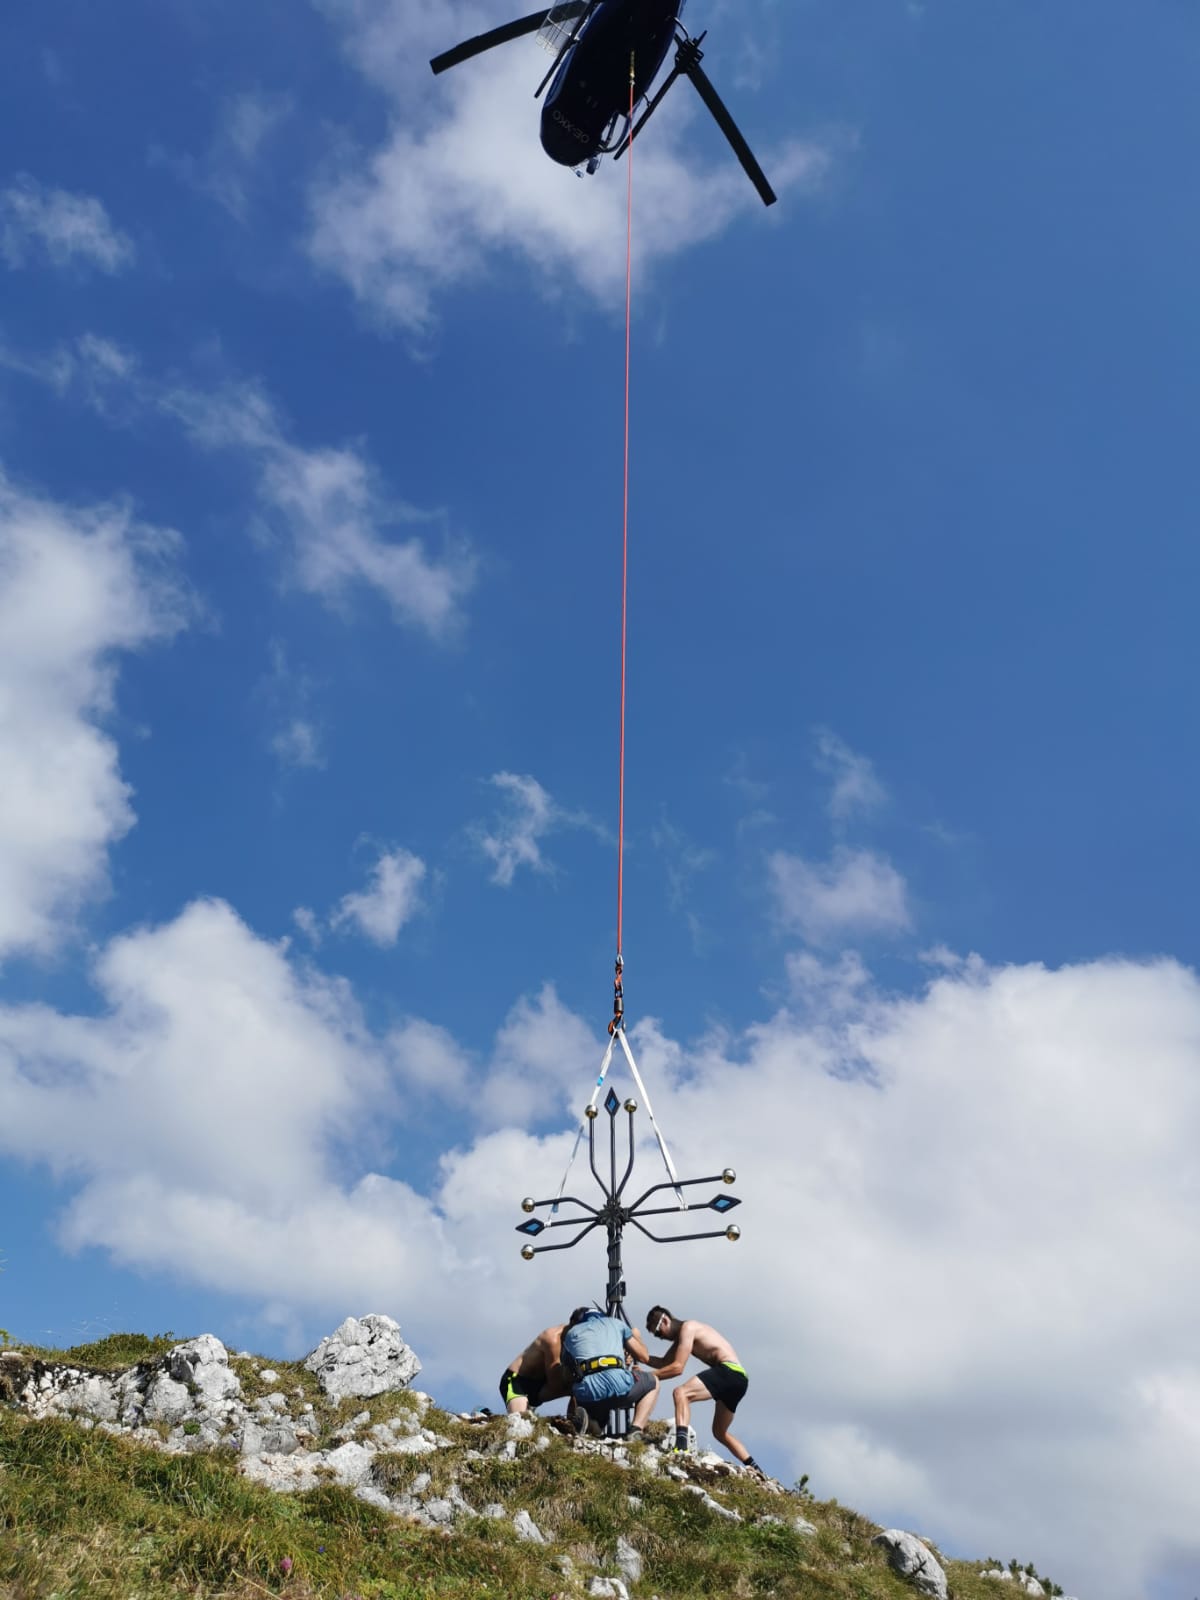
[298, 737]
[513, 837]
[77, 587]
[298, 744]
[326, 506]
[970, 1266]
[856, 891]
[229, 171]
[332, 511]
[65, 227]
[391, 899]
[223, 1118]
[547, 1057]
[461, 178]
[100, 369]
[429, 1059]
[856, 789]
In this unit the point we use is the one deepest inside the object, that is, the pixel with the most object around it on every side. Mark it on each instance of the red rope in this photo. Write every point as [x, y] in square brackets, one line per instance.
[625, 530]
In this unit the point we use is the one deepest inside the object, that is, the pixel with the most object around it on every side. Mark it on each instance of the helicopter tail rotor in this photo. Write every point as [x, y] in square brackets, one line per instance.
[688, 61]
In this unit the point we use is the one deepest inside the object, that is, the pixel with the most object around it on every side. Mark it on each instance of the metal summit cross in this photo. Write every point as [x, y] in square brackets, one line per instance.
[614, 1215]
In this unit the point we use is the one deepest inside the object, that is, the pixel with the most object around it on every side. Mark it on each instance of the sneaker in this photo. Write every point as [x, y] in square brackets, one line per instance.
[579, 1420]
[634, 1436]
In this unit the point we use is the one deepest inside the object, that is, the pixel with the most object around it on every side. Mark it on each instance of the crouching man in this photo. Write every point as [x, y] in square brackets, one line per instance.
[723, 1380]
[537, 1375]
[596, 1352]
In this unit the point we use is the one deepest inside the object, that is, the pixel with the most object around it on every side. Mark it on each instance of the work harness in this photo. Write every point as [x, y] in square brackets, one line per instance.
[597, 1364]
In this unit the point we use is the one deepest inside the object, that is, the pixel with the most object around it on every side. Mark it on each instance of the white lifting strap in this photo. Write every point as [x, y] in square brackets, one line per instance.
[619, 1033]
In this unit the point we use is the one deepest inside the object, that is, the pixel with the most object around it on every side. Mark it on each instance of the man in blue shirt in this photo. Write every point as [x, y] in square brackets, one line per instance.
[596, 1351]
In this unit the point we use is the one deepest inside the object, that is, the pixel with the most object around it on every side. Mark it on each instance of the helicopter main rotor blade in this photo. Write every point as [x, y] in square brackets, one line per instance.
[731, 131]
[503, 35]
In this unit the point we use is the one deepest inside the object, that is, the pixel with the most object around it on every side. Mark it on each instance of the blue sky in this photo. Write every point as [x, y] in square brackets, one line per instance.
[310, 489]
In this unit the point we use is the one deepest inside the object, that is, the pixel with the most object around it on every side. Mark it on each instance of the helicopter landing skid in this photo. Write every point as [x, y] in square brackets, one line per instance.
[611, 140]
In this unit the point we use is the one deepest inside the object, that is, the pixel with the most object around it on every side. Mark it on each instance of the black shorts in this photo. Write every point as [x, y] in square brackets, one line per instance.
[643, 1382]
[725, 1385]
[512, 1383]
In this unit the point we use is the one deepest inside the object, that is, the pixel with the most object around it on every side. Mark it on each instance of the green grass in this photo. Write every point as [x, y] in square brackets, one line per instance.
[88, 1516]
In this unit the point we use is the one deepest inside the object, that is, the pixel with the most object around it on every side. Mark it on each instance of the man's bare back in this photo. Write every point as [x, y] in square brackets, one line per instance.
[541, 1355]
[707, 1344]
[694, 1339]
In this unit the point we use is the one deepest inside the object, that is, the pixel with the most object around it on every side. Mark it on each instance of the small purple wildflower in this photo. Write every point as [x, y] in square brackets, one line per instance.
[285, 1566]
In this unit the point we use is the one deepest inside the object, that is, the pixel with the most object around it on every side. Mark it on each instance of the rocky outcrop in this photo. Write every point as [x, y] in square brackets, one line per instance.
[914, 1560]
[363, 1357]
[291, 1434]
[192, 1399]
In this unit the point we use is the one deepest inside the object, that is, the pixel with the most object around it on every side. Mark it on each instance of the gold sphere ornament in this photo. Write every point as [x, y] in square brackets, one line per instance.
[729, 1176]
[592, 1113]
[528, 1204]
[527, 1252]
[631, 1106]
[733, 1233]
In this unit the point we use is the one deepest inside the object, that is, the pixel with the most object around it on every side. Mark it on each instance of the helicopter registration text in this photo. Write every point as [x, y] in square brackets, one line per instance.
[569, 127]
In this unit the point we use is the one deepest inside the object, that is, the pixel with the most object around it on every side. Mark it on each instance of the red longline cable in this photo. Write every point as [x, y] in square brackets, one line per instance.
[625, 522]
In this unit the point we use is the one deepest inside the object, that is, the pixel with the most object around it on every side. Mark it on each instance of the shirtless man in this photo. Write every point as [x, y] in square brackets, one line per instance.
[537, 1374]
[723, 1379]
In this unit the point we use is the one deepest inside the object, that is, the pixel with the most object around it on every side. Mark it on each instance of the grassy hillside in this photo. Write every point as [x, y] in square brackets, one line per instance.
[99, 1517]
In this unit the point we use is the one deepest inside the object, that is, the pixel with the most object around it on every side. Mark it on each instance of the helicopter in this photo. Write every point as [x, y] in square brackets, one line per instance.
[598, 45]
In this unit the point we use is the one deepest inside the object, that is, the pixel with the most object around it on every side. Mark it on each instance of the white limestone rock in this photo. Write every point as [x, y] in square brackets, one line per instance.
[607, 1589]
[364, 1357]
[518, 1426]
[279, 1439]
[629, 1561]
[526, 1528]
[286, 1474]
[802, 1526]
[94, 1396]
[714, 1505]
[166, 1401]
[202, 1366]
[411, 1444]
[350, 1464]
[914, 1561]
